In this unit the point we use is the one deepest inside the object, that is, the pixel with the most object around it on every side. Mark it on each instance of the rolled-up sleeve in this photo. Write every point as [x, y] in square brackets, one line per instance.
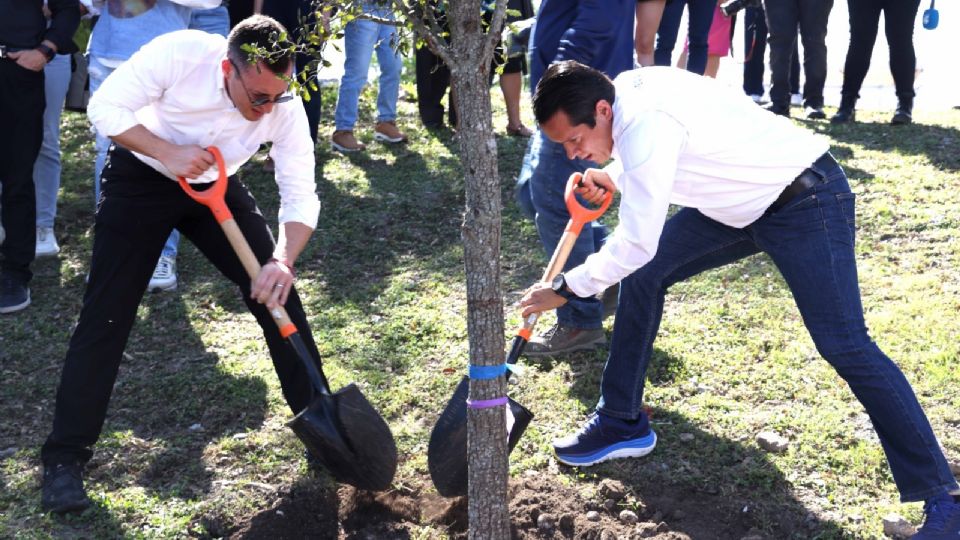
[292, 153]
[133, 85]
[650, 150]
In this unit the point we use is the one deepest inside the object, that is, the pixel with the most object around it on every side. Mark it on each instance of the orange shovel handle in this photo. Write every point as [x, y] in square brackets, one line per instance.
[214, 197]
[581, 215]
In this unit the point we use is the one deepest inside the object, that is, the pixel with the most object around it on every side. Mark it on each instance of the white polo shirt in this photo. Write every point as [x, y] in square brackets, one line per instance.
[174, 87]
[688, 140]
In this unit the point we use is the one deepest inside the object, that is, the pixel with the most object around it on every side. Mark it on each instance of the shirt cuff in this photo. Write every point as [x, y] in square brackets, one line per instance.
[302, 211]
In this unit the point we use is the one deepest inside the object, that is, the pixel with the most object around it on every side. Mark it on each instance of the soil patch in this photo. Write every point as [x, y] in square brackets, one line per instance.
[540, 507]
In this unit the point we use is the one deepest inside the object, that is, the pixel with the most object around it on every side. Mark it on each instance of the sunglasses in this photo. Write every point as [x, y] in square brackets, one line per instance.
[260, 101]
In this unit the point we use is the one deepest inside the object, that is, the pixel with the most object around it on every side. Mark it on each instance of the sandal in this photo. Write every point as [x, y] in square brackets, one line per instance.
[519, 131]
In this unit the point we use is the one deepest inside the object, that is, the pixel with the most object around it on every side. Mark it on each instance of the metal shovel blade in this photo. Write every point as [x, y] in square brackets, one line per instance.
[447, 451]
[349, 437]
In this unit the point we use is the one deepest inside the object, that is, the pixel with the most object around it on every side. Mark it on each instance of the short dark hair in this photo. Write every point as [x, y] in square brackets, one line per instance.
[262, 32]
[573, 88]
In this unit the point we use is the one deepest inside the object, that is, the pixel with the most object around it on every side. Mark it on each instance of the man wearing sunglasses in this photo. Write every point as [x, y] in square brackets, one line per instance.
[181, 93]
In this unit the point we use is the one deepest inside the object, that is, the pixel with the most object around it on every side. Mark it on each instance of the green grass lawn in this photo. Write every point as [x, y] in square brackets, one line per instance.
[196, 426]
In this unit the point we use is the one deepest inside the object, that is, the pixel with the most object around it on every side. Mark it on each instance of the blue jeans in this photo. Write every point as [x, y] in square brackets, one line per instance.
[540, 189]
[360, 39]
[98, 72]
[46, 170]
[811, 241]
[700, 19]
[213, 21]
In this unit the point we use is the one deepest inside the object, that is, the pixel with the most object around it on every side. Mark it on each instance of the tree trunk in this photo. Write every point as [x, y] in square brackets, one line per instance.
[487, 437]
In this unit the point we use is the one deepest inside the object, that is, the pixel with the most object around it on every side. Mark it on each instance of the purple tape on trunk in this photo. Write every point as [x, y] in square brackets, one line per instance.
[486, 403]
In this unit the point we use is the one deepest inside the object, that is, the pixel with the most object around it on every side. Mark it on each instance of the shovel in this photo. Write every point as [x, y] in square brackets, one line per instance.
[447, 451]
[341, 429]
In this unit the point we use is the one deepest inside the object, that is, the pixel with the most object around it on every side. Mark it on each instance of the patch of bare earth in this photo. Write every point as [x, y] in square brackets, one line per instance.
[540, 507]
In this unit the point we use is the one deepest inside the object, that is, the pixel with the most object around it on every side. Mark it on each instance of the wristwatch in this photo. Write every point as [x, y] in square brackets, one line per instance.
[47, 51]
[559, 286]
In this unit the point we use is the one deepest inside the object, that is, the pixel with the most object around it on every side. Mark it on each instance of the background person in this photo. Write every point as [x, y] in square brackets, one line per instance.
[29, 43]
[898, 20]
[600, 33]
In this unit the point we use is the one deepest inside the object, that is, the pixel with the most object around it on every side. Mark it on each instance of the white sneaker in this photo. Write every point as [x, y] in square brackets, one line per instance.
[46, 242]
[757, 98]
[164, 275]
[796, 99]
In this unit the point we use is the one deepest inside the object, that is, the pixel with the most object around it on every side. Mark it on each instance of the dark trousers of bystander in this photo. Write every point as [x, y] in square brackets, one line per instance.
[783, 17]
[21, 107]
[138, 209]
[898, 22]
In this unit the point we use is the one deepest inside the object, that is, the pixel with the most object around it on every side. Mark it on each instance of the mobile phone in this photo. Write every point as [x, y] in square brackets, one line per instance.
[3, 51]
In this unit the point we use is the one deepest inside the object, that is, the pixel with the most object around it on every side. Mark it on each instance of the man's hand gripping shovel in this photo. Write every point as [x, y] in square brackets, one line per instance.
[341, 429]
[447, 451]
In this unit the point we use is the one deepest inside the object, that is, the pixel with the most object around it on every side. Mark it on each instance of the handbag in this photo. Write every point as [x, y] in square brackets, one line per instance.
[78, 92]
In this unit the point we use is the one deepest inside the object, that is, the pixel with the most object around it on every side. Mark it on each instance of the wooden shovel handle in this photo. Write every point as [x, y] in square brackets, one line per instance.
[579, 216]
[214, 198]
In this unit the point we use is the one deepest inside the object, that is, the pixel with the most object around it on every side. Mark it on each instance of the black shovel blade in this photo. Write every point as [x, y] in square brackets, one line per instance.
[349, 437]
[447, 451]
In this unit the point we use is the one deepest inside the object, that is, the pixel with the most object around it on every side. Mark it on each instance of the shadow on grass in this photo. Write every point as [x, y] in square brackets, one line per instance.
[703, 485]
[937, 143]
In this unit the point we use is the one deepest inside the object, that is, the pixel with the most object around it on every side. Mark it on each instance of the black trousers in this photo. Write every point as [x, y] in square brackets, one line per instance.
[755, 49]
[138, 209]
[898, 19]
[21, 107]
[783, 17]
[433, 79]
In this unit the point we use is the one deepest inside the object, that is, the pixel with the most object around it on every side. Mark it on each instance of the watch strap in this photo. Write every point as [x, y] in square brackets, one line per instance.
[47, 51]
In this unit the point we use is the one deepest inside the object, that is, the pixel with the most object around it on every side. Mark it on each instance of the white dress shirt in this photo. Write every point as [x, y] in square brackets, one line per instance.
[686, 139]
[174, 87]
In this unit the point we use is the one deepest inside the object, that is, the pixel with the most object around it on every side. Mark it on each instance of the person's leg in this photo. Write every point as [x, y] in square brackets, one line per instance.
[813, 33]
[201, 228]
[46, 170]
[691, 243]
[511, 85]
[795, 72]
[898, 18]
[811, 241]
[21, 107]
[754, 49]
[667, 32]
[391, 64]
[136, 214]
[700, 17]
[649, 13]
[782, 20]
[864, 20]
[547, 185]
[430, 88]
[359, 38]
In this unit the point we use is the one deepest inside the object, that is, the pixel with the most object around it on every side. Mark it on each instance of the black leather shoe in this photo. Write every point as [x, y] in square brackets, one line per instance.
[902, 116]
[814, 113]
[842, 116]
[63, 488]
[779, 110]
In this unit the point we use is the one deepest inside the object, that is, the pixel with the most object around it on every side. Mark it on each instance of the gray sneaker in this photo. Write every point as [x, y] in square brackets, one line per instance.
[564, 339]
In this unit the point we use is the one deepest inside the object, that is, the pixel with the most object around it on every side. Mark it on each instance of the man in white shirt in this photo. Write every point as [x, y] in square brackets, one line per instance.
[179, 94]
[749, 182]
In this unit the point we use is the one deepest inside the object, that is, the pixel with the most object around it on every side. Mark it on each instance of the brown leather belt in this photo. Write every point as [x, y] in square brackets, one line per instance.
[804, 181]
